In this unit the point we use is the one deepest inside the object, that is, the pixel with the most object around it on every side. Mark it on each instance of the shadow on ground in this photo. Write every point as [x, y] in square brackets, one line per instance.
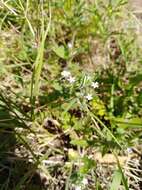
[15, 173]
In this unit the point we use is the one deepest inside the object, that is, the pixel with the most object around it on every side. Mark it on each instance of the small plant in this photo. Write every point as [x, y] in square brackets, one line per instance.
[70, 99]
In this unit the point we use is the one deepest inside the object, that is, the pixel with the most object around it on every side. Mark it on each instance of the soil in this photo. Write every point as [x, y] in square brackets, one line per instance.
[136, 4]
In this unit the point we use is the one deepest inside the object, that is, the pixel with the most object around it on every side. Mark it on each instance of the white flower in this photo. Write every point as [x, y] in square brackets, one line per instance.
[65, 74]
[89, 97]
[95, 85]
[70, 45]
[85, 181]
[71, 79]
[129, 150]
[78, 188]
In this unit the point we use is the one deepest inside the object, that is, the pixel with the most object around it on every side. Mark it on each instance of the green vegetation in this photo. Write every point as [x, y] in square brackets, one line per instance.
[71, 89]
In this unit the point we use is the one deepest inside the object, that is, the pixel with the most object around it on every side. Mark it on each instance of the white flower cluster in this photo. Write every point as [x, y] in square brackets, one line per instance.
[94, 85]
[68, 77]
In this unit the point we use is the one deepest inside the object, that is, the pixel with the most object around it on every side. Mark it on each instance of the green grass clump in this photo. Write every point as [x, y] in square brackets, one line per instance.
[71, 85]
